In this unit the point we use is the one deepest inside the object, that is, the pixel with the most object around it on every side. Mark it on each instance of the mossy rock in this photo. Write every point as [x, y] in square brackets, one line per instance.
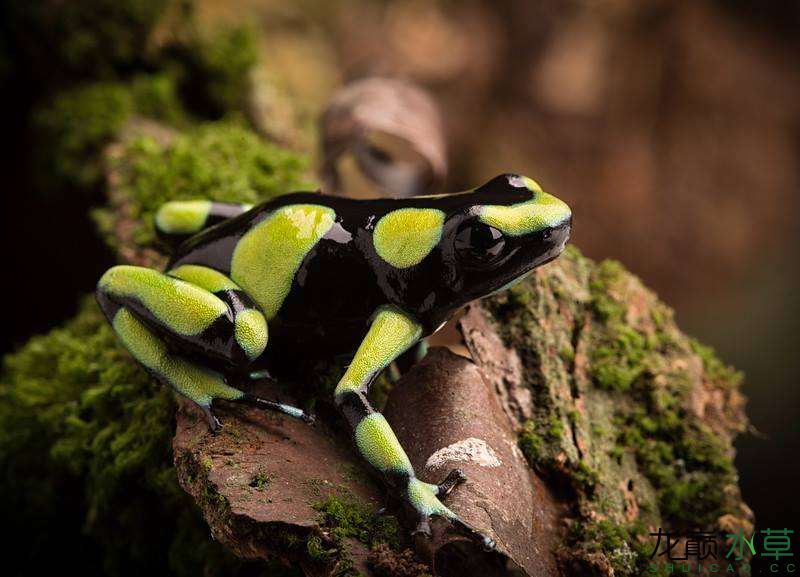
[88, 475]
[632, 416]
[60, 41]
[78, 123]
[221, 161]
[88, 479]
[186, 76]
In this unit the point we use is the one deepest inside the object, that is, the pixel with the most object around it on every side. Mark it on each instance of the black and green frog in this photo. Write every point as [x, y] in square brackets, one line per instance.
[309, 272]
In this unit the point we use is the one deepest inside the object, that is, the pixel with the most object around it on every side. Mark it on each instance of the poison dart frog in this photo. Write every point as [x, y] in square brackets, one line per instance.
[367, 277]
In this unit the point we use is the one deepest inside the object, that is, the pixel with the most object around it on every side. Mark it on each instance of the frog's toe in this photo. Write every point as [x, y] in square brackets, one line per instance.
[266, 404]
[454, 479]
[213, 422]
[424, 497]
[486, 542]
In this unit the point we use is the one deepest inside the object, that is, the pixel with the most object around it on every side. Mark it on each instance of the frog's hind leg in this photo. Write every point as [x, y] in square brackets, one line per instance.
[177, 220]
[154, 314]
[192, 381]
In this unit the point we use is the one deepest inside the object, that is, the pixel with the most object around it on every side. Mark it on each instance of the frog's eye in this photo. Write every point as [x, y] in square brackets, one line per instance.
[478, 243]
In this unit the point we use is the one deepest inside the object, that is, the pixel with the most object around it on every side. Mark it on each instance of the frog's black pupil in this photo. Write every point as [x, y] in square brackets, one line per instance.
[479, 241]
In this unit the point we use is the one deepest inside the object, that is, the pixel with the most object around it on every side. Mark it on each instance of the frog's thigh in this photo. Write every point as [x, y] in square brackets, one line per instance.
[197, 383]
[195, 307]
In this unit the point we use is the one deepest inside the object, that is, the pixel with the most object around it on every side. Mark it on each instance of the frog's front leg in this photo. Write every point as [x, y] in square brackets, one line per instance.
[392, 332]
[194, 310]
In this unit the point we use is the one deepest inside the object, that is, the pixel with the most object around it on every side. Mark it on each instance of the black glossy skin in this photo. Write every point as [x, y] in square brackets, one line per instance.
[342, 280]
[183, 322]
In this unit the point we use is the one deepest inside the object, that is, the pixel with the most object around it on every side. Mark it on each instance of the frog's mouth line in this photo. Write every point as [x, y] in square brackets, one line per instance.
[522, 276]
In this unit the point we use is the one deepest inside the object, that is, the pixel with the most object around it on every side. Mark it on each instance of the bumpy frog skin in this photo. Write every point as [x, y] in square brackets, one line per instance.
[331, 275]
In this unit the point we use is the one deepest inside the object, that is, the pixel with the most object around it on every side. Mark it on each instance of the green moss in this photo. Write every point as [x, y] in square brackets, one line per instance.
[98, 39]
[555, 428]
[688, 464]
[585, 477]
[605, 275]
[77, 124]
[213, 70]
[574, 417]
[619, 358]
[260, 481]
[155, 97]
[380, 389]
[531, 443]
[345, 516]
[715, 370]
[219, 161]
[634, 404]
[519, 296]
[318, 552]
[85, 449]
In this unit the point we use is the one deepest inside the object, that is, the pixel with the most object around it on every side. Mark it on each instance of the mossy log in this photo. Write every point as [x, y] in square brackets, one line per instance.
[584, 418]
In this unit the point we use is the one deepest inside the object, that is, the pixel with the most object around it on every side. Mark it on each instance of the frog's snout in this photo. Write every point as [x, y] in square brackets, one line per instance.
[551, 241]
[558, 235]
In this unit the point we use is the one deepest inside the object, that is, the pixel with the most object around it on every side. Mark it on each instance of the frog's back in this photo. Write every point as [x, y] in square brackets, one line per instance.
[300, 257]
[320, 266]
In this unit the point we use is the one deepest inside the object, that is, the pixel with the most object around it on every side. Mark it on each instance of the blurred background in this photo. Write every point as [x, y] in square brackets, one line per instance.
[671, 128]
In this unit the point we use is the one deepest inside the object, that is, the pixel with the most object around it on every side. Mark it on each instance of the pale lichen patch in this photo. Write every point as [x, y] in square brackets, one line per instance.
[472, 449]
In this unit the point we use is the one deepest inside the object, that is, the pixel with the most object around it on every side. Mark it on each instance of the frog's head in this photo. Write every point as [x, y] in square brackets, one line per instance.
[502, 231]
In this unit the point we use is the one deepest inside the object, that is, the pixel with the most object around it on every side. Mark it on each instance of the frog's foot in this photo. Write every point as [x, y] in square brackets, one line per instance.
[213, 422]
[424, 528]
[295, 412]
[454, 479]
[486, 542]
[423, 497]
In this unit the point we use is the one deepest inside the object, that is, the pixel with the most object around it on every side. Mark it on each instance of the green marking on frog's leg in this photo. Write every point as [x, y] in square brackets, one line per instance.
[267, 257]
[421, 350]
[192, 381]
[542, 211]
[188, 217]
[196, 307]
[237, 335]
[250, 331]
[202, 276]
[250, 326]
[423, 496]
[378, 443]
[404, 237]
[182, 307]
[199, 384]
[392, 332]
[182, 216]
